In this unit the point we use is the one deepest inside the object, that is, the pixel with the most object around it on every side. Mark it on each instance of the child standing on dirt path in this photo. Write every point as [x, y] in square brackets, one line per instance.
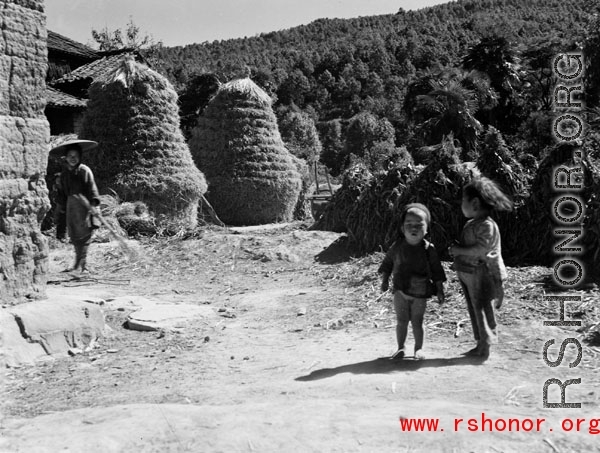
[478, 259]
[417, 274]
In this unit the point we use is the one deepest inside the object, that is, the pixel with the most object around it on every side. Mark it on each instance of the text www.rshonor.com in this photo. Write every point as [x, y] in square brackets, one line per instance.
[489, 424]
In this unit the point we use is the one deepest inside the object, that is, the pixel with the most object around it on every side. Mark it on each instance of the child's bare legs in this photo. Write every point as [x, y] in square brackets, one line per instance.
[417, 313]
[409, 309]
[402, 308]
[481, 312]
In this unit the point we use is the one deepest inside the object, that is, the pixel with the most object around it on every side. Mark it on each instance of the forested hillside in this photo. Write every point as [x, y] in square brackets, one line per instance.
[408, 72]
[406, 106]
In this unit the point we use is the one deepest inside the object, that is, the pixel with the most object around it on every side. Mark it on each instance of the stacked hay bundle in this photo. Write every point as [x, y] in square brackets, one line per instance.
[142, 155]
[439, 187]
[135, 219]
[355, 181]
[591, 196]
[497, 163]
[535, 229]
[24, 135]
[253, 178]
[371, 215]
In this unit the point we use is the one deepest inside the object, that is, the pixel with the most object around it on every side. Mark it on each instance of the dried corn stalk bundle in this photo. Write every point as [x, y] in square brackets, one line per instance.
[370, 216]
[497, 163]
[591, 221]
[355, 180]
[438, 187]
[534, 223]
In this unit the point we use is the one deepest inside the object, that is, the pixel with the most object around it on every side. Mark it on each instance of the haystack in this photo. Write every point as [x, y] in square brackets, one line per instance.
[142, 155]
[439, 187]
[375, 209]
[368, 207]
[355, 181]
[536, 223]
[236, 143]
[497, 162]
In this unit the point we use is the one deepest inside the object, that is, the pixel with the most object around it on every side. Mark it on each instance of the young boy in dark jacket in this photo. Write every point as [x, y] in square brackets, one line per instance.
[417, 274]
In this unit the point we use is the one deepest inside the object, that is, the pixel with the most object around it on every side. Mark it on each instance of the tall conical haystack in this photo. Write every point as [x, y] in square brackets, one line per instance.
[142, 155]
[236, 143]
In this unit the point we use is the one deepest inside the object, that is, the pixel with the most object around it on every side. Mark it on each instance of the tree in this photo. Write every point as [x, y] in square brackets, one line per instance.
[448, 108]
[333, 147]
[133, 39]
[591, 50]
[495, 57]
[300, 135]
[194, 99]
[368, 135]
[130, 38]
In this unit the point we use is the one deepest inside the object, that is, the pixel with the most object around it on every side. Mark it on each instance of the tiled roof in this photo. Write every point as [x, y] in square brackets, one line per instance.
[56, 98]
[95, 70]
[62, 44]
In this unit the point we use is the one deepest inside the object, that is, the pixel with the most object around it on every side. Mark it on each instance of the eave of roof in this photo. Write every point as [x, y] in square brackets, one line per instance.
[95, 70]
[61, 44]
[56, 98]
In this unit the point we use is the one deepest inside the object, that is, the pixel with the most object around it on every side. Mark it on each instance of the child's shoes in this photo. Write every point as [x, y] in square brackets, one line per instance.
[419, 354]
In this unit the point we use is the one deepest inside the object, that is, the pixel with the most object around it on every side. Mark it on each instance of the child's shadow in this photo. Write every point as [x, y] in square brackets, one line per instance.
[385, 365]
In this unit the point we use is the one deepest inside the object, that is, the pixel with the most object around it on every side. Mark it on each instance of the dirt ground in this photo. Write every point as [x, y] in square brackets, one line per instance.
[291, 356]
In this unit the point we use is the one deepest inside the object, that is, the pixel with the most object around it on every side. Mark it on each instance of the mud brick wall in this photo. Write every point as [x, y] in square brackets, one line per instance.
[24, 138]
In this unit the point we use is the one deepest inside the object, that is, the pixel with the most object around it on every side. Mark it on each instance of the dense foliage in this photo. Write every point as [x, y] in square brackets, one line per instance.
[452, 68]
[469, 78]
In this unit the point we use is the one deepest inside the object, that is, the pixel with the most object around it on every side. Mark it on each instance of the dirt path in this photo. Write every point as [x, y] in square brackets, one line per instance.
[288, 358]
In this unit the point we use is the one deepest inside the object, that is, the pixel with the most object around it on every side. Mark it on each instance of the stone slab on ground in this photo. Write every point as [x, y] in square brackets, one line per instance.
[16, 350]
[166, 316]
[33, 330]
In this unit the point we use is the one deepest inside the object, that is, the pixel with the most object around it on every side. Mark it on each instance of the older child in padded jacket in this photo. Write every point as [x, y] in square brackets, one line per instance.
[478, 259]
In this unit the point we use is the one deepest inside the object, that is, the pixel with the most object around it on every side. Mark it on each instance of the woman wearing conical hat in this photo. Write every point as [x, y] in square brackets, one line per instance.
[78, 195]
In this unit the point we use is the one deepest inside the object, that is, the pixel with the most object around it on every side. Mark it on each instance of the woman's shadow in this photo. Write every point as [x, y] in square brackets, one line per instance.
[384, 365]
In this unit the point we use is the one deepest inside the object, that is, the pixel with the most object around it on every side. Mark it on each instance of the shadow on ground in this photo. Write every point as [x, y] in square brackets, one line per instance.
[384, 365]
[338, 251]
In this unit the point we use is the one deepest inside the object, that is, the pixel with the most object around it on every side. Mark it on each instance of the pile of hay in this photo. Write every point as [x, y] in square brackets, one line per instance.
[496, 161]
[591, 222]
[533, 223]
[355, 181]
[372, 214]
[253, 178]
[142, 155]
[369, 207]
[439, 187]
[135, 219]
